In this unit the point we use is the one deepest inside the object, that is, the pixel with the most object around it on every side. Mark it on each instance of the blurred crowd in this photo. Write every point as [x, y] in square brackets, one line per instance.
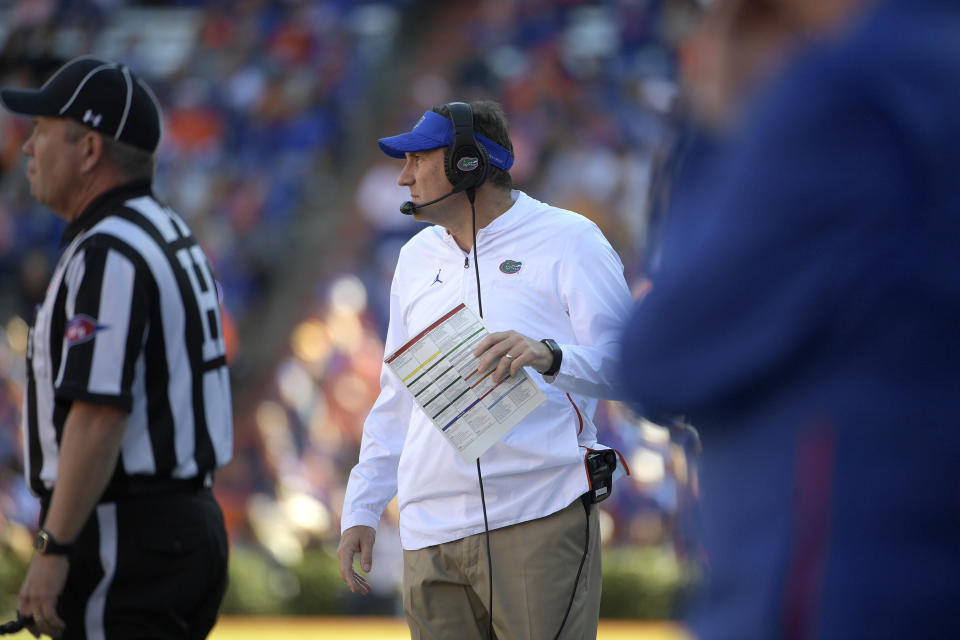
[262, 106]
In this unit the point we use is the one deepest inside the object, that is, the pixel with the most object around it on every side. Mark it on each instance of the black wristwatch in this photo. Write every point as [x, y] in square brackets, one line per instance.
[557, 356]
[47, 545]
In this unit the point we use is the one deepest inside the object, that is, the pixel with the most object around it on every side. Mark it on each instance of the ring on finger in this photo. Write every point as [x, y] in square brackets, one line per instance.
[508, 356]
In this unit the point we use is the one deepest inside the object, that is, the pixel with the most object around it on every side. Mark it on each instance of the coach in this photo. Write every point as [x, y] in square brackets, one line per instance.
[127, 407]
[545, 273]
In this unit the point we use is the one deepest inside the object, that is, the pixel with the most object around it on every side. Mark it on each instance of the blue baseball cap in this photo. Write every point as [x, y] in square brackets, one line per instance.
[433, 131]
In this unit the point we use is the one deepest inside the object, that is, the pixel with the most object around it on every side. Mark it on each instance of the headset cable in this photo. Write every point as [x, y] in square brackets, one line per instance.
[471, 195]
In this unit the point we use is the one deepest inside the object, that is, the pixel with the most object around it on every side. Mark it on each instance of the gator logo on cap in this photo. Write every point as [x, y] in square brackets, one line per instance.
[510, 266]
[80, 329]
[468, 163]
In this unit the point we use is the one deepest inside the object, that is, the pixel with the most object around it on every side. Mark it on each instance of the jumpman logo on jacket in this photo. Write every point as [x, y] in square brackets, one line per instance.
[436, 278]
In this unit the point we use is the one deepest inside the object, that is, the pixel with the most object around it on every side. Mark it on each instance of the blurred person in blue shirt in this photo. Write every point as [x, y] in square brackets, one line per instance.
[804, 317]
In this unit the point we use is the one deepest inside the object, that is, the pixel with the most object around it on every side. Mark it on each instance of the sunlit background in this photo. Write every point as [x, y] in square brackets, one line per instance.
[272, 110]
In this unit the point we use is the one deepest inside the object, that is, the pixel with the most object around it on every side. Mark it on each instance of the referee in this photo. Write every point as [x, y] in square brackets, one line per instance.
[127, 408]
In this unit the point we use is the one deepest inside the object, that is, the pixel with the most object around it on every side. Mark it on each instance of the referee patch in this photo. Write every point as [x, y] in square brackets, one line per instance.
[80, 329]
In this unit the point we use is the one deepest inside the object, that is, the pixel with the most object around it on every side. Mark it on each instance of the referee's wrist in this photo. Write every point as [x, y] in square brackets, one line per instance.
[47, 545]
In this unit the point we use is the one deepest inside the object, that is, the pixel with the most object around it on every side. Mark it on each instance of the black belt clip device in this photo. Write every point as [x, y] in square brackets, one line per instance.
[600, 467]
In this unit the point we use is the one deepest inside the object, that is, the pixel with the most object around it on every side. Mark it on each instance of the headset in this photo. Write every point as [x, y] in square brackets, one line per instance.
[466, 161]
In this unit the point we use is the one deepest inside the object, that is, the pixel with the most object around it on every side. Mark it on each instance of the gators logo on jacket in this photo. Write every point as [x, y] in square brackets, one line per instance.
[510, 266]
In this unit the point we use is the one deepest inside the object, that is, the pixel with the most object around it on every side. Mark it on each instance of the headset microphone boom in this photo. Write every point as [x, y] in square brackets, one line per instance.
[409, 208]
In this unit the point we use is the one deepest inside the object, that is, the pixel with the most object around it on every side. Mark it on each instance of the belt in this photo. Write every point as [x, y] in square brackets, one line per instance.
[134, 486]
[152, 486]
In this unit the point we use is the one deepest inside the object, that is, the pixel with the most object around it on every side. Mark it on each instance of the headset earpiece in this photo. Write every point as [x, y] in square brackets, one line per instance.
[466, 161]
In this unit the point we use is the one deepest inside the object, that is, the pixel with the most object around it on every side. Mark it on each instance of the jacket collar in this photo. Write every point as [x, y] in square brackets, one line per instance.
[502, 223]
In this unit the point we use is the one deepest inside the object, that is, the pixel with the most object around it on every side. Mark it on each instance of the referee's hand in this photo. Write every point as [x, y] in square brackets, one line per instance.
[39, 593]
[358, 539]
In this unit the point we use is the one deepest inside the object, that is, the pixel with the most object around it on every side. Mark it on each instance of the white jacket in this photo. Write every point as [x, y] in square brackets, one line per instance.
[569, 287]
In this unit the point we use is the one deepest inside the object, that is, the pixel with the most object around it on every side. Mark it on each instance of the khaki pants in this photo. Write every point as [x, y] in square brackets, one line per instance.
[445, 588]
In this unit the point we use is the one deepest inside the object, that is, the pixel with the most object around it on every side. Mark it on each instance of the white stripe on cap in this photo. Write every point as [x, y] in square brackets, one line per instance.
[126, 107]
[92, 73]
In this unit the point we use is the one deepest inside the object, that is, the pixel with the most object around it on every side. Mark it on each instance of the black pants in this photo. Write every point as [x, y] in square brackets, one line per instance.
[147, 566]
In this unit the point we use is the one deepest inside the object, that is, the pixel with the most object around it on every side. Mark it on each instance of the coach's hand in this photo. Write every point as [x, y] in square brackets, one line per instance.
[39, 593]
[508, 351]
[358, 539]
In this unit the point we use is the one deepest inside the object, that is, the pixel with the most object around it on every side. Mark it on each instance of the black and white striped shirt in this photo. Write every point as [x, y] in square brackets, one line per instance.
[131, 318]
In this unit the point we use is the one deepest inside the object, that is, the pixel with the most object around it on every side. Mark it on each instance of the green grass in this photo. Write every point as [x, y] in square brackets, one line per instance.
[312, 628]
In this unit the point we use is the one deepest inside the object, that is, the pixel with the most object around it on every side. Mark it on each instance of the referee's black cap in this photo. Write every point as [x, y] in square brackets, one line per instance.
[104, 96]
